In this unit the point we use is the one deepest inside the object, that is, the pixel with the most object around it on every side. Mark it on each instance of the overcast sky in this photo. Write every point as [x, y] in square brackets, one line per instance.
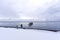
[30, 9]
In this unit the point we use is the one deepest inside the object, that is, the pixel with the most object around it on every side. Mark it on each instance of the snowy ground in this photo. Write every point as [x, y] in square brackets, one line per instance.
[25, 34]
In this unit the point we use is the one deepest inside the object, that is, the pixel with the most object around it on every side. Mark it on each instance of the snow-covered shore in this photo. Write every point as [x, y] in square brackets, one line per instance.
[22, 34]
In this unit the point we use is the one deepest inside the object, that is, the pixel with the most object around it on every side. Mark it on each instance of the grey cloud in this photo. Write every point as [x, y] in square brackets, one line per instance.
[54, 9]
[7, 12]
[49, 13]
[6, 9]
[53, 12]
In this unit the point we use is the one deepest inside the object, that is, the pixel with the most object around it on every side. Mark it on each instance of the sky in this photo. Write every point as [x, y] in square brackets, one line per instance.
[42, 10]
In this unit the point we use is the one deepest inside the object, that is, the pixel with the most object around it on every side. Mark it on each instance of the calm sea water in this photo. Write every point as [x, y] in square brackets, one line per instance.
[36, 24]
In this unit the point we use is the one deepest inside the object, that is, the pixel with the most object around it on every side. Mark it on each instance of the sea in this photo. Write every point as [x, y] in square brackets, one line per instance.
[53, 25]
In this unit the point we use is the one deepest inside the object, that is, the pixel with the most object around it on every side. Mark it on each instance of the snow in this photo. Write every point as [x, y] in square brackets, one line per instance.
[25, 34]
